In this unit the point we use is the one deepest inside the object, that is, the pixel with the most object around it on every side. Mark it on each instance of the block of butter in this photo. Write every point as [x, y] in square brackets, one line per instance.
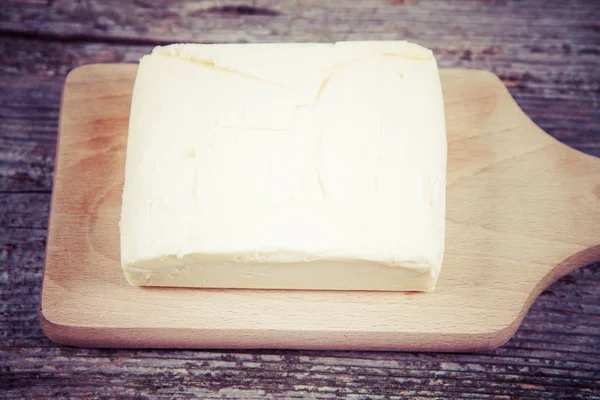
[286, 166]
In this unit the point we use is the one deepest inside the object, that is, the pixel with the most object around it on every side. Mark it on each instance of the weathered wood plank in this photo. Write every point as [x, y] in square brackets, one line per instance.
[309, 20]
[29, 107]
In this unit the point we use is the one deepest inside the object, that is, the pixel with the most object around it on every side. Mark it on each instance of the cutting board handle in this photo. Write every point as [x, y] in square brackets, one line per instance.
[571, 197]
[519, 201]
[585, 193]
[583, 210]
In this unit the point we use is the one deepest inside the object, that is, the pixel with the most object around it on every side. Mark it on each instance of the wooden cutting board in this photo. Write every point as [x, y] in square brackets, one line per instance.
[523, 210]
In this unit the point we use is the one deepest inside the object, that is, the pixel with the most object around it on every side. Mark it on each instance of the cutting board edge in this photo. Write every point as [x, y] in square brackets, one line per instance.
[185, 338]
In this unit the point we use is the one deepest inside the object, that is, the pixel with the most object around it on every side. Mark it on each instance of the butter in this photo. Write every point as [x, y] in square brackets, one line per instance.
[286, 166]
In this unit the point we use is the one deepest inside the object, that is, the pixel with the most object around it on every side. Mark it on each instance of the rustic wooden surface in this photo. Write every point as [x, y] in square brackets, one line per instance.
[544, 51]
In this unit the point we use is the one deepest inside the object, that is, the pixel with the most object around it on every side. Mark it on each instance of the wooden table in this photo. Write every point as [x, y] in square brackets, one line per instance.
[546, 52]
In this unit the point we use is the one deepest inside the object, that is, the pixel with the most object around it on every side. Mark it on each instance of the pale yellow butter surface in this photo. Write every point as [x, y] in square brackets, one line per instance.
[301, 166]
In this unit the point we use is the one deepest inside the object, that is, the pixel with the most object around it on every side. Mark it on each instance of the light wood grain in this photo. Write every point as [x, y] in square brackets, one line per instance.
[522, 211]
